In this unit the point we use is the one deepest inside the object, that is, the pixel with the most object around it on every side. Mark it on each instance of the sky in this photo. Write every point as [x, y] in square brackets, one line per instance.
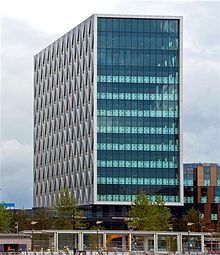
[28, 26]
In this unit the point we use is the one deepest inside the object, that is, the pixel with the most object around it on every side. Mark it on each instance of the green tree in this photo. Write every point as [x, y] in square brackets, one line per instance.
[179, 225]
[23, 218]
[163, 214]
[5, 217]
[141, 214]
[94, 239]
[69, 216]
[149, 216]
[43, 218]
[193, 216]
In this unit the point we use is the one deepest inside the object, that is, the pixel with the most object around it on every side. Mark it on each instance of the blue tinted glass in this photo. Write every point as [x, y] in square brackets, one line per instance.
[137, 108]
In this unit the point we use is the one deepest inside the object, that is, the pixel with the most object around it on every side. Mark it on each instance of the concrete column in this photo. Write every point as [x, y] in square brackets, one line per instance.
[55, 241]
[123, 243]
[76, 241]
[80, 241]
[202, 243]
[104, 241]
[146, 243]
[155, 243]
[129, 242]
[179, 243]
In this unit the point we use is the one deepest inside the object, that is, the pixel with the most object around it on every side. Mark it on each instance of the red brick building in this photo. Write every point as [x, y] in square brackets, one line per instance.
[202, 190]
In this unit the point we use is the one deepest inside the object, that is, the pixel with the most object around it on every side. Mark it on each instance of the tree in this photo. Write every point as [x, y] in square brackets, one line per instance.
[43, 218]
[141, 214]
[163, 214]
[149, 216]
[23, 218]
[179, 225]
[69, 216]
[5, 216]
[94, 239]
[194, 216]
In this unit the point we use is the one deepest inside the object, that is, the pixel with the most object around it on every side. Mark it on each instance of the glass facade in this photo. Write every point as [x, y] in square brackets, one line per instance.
[189, 176]
[207, 175]
[138, 108]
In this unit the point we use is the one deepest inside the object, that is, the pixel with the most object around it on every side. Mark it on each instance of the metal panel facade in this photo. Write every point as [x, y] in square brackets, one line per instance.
[63, 117]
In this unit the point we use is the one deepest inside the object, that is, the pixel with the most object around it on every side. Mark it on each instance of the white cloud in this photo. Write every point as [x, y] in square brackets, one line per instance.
[12, 147]
[16, 173]
[202, 146]
[19, 43]
[53, 15]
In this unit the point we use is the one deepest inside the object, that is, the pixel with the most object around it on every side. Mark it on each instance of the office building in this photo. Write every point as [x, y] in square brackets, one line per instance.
[107, 112]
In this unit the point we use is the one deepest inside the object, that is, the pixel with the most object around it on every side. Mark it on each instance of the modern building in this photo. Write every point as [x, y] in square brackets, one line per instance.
[108, 112]
[12, 243]
[202, 191]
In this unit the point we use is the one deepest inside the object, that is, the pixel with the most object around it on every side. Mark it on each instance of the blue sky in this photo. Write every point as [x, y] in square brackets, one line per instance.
[30, 26]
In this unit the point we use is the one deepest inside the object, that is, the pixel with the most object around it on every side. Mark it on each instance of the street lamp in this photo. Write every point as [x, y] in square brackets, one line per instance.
[16, 227]
[189, 224]
[32, 232]
[97, 234]
[171, 229]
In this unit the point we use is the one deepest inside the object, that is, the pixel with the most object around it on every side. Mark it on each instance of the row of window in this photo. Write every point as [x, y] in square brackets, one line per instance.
[133, 59]
[190, 199]
[140, 71]
[134, 38]
[157, 42]
[130, 198]
[137, 130]
[139, 96]
[139, 156]
[139, 164]
[116, 189]
[137, 147]
[138, 122]
[148, 173]
[137, 181]
[143, 52]
[138, 25]
[206, 183]
[126, 105]
[136, 113]
[138, 79]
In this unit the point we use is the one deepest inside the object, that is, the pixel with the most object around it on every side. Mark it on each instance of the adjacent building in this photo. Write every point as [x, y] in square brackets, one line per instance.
[108, 112]
[202, 191]
[12, 243]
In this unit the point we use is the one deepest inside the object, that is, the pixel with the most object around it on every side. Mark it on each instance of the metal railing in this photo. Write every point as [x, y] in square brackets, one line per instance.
[217, 252]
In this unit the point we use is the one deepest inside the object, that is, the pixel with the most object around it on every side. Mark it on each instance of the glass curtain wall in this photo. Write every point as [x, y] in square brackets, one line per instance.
[137, 109]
